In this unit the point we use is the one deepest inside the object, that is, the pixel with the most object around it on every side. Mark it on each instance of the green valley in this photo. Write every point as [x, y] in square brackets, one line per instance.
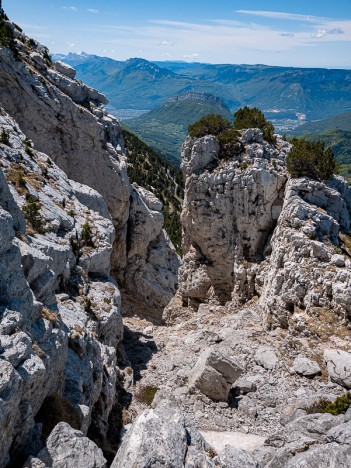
[166, 127]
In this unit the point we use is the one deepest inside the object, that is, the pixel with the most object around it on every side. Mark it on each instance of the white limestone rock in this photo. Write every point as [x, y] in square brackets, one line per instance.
[231, 457]
[339, 366]
[157, 437]
[228, 216]
[64, 118]
[306, 367]
[65, 69]
[90, 198]
[152, 262]
[68, 447]
[304, 272]
[266, 357]
[214, 374]
[69, 347]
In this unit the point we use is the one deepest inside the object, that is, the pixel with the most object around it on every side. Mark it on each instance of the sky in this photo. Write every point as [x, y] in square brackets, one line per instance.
[305, 33]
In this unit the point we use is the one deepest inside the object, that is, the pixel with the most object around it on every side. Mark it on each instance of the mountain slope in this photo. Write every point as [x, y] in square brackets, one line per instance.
[166, 127]
[138, 84]
[339, 122]
[147, 169]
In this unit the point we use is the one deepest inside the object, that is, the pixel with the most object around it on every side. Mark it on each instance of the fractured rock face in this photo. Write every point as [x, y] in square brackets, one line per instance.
[152, 264]
[214, 374]
[60, 314]
[339, 366]
[251, 231]
[303, 271]
[157, 438]
[64, 118]
[230, 210]
[67, 447]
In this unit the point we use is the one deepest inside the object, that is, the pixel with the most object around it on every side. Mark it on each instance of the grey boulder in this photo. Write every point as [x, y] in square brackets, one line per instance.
[214, 374]
[67, 447]
[266, 357]
[231, 457]
[306, 367]
[339, 366]
[157, 438]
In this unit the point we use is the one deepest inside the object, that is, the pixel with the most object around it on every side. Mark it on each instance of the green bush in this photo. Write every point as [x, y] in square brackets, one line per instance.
[7, 38]
[47, 58]
[247, 117]
[310, 159]
[229, 143]
[88, 306]
[339, 406]
[32, 214]
[28, 146]
[31, 43]
[87, 235]
[4, 137]
[211, 124]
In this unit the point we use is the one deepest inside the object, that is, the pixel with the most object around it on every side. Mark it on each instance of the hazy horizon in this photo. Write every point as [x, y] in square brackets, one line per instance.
[313, 35]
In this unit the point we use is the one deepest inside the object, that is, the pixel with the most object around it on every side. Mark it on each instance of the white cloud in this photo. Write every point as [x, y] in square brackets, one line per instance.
[167, 43]
[70, 44]
[280, 15]
[326, 32]
[71, 8]
[223, 41]
[92, 10]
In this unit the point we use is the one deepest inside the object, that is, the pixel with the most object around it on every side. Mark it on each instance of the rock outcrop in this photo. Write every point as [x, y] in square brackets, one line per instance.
[64, 118]
[231, 208]
[214, 374]
[309, 268]
[159, 437]
[339, 366]
[60, 314]
[67, 447]
[250, 231]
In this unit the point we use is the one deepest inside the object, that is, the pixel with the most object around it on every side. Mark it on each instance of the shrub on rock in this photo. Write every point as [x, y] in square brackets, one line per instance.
[252, 117]
[229, 142]
[310, 159]
[211, 124]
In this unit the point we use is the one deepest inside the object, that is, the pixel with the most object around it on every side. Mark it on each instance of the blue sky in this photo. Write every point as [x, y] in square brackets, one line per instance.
[309, 33]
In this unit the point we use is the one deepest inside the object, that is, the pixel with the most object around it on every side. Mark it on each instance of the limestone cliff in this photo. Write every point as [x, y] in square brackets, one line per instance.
[65, 119]
[71, 224]
[266, 268]
[60, 313]
[252, 232]
[231, 208]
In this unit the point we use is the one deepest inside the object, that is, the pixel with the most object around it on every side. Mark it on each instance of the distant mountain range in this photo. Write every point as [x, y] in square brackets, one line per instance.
[284, 94]
[166, 127]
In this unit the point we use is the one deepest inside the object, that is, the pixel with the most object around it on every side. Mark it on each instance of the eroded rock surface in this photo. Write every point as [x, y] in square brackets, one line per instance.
[60, 315]
[67, 447]
[65, 119]
[230, 210]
